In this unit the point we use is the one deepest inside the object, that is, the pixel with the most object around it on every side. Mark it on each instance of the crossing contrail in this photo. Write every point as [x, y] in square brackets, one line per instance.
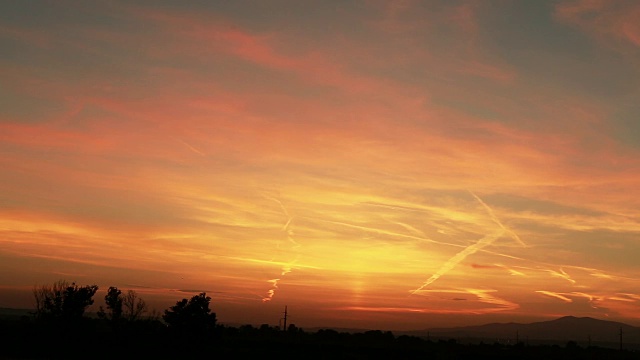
[457, 258]
[473, 248]
[495, 219]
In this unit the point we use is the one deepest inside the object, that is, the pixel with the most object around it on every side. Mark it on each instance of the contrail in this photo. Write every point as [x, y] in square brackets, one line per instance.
[286, 228]
[286, 267]
[407, 236]
[385, 232]
[457, 258]
[284, 210]
[471, 249]
[191, 147]
[496, 220]
[272, 291]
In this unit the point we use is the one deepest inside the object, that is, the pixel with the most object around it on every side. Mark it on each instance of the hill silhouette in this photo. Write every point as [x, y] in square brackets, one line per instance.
[561, 330]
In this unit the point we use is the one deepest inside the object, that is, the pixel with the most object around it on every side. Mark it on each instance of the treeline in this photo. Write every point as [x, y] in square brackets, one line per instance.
[59, 327]
[63, 305]
[124, 328]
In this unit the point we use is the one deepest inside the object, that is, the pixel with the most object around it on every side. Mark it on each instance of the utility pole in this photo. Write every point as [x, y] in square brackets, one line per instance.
[285, 318]
[621, 339]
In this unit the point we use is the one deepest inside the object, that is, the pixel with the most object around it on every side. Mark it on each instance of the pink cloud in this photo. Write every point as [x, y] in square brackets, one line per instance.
[603, 19]
[267, 50]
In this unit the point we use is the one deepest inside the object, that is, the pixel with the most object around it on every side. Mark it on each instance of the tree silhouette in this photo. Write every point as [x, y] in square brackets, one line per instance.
[122, 308]
[133, 306]
[63, 301]
[114, 305]
[192, 316]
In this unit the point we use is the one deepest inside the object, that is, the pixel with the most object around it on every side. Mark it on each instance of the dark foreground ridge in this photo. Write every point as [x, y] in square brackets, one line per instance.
[26, 338]
[58, 328]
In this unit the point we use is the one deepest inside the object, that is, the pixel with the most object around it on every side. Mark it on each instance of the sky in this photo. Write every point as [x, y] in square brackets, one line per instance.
[369, 164]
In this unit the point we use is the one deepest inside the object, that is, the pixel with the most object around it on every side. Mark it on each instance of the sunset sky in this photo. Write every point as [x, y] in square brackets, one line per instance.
[369, 164]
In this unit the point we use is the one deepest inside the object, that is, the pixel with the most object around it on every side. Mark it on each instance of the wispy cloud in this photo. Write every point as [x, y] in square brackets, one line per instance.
[555, 295]
[483, 296]
[561, 274]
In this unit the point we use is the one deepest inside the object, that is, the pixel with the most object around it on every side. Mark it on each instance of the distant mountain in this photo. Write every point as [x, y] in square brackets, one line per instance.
[564, 329]
[8, 313]
[338, 329]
